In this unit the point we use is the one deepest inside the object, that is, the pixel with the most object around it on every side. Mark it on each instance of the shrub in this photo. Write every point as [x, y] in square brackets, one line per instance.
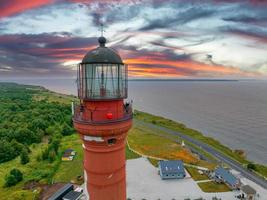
[13, 177]
[24, 157]
[251, 166]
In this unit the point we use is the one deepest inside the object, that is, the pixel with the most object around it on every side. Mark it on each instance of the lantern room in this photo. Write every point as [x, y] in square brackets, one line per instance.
[102, 74]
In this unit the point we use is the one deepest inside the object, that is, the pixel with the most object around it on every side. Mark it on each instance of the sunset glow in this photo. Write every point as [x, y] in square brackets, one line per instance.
[203, 39]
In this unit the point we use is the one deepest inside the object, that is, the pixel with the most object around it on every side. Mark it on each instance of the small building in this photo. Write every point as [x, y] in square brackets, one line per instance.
[248, 192]
[68, 155]
[221, 174]
[72, 195]
[171, 169]
[62, 192]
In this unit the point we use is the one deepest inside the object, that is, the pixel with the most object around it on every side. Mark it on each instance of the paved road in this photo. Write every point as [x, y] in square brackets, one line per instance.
[220, 156]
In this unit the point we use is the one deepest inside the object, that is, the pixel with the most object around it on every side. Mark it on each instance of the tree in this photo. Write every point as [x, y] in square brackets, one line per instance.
[55, 145]
[66, 129]
[251, 166]
[17, 173]
[7, 151]
[24, 156]
[51, 156]
[13, 177]
[45, 154]
[10, 180]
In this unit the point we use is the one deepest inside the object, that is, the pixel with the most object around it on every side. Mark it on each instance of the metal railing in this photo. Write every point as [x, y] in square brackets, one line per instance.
[84, 115]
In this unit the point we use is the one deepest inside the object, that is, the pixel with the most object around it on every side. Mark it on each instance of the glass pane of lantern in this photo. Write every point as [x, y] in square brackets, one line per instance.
[98, 81]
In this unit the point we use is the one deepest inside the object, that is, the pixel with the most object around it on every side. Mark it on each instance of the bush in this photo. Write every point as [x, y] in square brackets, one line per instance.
[51, 156]
[251, 166]
[13, 177]
[24, 157]
[45, 154]
[66, 130]
[7, 151]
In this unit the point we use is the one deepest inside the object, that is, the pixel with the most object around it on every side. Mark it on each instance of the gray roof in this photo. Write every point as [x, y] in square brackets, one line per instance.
[248, 190]
[102, 54]
[171, 166]
[61, 192]
[226, 176]
[72, 195]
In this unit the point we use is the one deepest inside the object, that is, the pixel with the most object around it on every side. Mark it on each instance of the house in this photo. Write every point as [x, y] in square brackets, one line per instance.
[62, 192]
[72, 195]
[171, 169]
[223, 175]
[248, 192]
[68, 155]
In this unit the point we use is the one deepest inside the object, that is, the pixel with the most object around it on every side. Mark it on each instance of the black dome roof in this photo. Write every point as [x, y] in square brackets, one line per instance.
[102, 54]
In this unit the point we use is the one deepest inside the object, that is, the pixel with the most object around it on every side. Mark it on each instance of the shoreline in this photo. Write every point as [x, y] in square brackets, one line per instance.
[162, 116]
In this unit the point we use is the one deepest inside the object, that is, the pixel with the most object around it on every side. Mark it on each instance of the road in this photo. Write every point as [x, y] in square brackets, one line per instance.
[217, 154]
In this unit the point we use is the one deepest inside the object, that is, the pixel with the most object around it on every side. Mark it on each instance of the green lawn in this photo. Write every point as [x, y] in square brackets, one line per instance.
[130, 154]
[213, 187]
[196, 175]
[69, 170]
[144, 140]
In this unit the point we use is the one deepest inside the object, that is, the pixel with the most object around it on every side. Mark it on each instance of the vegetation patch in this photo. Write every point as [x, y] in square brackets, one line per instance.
[211, 186]
[144, 140]
[69, 171]
[194, 173]
[176, 126]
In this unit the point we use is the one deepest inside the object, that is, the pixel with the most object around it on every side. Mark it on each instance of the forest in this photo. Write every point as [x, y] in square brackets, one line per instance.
[26, 119]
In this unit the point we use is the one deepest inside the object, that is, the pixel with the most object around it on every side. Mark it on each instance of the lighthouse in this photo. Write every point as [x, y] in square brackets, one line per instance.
[102, 120]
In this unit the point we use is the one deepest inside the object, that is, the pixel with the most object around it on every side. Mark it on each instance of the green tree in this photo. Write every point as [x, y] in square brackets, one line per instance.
[52, 156]
[55, 145]
[66, 129]
[251, 166]
[10, 180]
[17, 173]
[24, 156]
[7, 151]
[45, 154]
[13, 177]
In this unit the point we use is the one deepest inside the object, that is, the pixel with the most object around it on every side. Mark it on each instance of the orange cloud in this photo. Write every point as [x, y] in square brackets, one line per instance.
[9, 8]
[179, 68]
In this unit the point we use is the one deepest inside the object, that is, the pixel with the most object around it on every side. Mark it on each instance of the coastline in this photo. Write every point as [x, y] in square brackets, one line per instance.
[159, 126]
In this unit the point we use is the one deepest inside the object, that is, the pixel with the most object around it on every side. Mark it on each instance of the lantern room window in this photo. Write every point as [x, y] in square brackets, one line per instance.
[102, 81]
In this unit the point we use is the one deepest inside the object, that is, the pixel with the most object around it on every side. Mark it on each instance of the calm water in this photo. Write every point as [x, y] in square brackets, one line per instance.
[235, 113]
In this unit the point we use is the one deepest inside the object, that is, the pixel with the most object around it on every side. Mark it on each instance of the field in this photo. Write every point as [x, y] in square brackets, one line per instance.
[145, 141]
[211, 186]
[196, 175]
[69, 170]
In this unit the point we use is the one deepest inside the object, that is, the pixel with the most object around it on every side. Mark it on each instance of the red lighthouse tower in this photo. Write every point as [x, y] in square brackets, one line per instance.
[103, 120]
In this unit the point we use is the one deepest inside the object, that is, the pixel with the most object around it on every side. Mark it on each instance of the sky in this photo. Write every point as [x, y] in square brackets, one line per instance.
[156, 38]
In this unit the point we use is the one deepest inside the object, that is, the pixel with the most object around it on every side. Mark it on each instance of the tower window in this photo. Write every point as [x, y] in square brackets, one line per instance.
[112, 141]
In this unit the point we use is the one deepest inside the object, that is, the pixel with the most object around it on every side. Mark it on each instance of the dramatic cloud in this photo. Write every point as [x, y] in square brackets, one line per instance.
[41, 54]
[157, 38]
[17, 6]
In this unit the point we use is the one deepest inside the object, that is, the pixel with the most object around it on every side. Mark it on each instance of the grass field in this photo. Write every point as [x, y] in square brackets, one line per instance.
[161, 121]
[69, 170]
[211, 186]
[196, 175]
[54, 97]
[144, 140]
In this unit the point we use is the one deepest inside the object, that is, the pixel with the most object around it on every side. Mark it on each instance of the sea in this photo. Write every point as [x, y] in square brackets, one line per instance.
[233, 112]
